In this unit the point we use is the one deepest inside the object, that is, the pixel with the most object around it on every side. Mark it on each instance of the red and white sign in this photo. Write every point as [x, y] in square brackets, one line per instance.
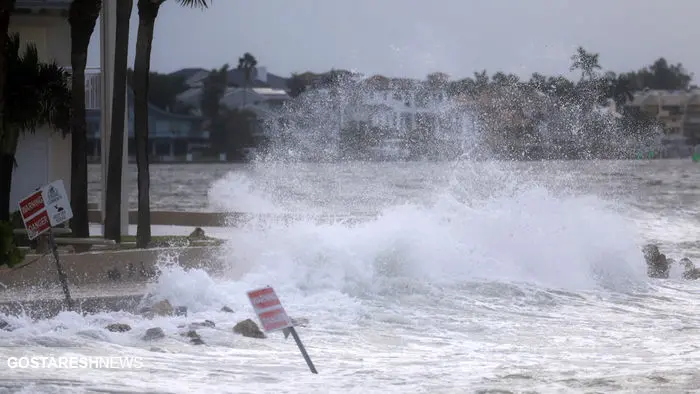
[38, 224]
[269, 309]
[31, 205]
[47, 207]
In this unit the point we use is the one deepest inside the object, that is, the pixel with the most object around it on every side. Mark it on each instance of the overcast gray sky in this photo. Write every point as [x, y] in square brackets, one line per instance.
[415, 37]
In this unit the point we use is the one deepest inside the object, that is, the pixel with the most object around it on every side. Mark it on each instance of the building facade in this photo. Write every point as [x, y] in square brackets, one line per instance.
[171, 136]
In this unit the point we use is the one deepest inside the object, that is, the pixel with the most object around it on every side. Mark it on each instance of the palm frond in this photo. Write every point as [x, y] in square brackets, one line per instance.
[36, 93]
[194, 3]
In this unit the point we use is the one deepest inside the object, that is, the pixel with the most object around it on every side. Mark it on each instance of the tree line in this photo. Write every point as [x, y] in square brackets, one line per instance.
[50, 101]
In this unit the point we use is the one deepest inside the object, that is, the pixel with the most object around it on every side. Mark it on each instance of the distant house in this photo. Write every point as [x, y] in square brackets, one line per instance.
[263, 87]
[171, 136]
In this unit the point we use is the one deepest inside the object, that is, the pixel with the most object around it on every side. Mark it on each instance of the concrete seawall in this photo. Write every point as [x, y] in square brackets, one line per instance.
[121, 266]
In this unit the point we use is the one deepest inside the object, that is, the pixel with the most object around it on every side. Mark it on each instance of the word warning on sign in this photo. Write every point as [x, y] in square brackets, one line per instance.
[269, 309]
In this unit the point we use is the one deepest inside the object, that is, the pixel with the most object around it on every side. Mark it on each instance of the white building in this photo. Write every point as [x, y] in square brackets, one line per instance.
[45, 156]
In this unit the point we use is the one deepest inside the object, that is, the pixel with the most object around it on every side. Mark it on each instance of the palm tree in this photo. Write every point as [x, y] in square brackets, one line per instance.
[82, 18]
[116, 136]
[587, 62]
[6, 161]
[36, 94]
[247, 64]
[148, 11]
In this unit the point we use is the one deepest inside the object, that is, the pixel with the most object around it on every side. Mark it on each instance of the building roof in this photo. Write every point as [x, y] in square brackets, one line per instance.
[237, 78]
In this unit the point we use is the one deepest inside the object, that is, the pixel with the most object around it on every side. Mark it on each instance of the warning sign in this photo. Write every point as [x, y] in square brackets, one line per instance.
[269, 309]
[45, 208]
[38, 224]
[31, 204]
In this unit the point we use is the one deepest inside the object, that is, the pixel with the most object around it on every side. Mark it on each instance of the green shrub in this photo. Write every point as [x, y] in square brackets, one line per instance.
[10, 254]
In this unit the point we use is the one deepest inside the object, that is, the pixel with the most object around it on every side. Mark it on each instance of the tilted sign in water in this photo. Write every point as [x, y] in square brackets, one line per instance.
[45, 208]
[273, 317]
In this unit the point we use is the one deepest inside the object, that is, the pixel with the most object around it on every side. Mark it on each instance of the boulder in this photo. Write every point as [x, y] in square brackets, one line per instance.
[689, 270]
[197, 234]
[153, 334]
[181, 311]
[226, 309]
[162, 308]
[4, 325]
[248, 328]
[206, 323]
[118, 327]
[657, 264]
[195, 339]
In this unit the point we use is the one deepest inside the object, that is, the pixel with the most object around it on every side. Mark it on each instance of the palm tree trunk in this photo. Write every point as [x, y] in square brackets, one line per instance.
[116, 136]
[7, 161]
[148, 11]
[82, 18]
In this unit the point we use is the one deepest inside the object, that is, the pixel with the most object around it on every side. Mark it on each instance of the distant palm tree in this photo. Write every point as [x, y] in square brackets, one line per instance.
[587, 62]
[82, 17]
[148, 12]
[247, 64]
[115, 163]
[36, 94]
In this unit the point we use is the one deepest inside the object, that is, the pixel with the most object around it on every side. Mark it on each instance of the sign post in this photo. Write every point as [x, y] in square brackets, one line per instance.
[274, 318]
[47, 207]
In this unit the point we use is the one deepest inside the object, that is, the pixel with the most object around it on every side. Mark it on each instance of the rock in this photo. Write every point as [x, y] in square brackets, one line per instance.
[5, 326]
[181, 311]
[206, 323]
[300, 322]
[248, 328]
[226, 309]
[195, 339]
[689, 270]
[198, 233]
[118, 327]
[657, 264]
[162, 308]
[153, 333]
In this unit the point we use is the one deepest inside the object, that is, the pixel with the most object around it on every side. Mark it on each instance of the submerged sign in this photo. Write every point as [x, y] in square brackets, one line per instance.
[273, 318]
[269, 309]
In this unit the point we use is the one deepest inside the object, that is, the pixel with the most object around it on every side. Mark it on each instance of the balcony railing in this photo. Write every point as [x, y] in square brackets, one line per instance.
[93, 87]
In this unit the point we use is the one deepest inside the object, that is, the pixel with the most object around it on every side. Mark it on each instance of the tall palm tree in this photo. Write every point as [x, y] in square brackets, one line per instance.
[36, 94]
[82, 18]
[148, 11]
[247, 64]
[116, 136]
[6, 161]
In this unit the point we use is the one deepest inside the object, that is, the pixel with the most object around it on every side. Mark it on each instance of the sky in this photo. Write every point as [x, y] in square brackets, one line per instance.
[412, 38]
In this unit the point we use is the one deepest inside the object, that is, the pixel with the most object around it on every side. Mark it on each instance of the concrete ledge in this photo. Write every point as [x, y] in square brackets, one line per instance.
[120, 266]
[223, 219]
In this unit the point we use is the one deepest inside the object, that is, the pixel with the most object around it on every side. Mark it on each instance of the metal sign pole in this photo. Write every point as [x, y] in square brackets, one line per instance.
[303, 350]
[61, 275]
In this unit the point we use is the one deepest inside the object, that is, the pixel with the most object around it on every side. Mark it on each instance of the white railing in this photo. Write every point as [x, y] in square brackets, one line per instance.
[93, 87]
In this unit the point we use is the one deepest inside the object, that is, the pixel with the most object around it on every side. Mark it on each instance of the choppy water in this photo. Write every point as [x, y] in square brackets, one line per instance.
[525, 277]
